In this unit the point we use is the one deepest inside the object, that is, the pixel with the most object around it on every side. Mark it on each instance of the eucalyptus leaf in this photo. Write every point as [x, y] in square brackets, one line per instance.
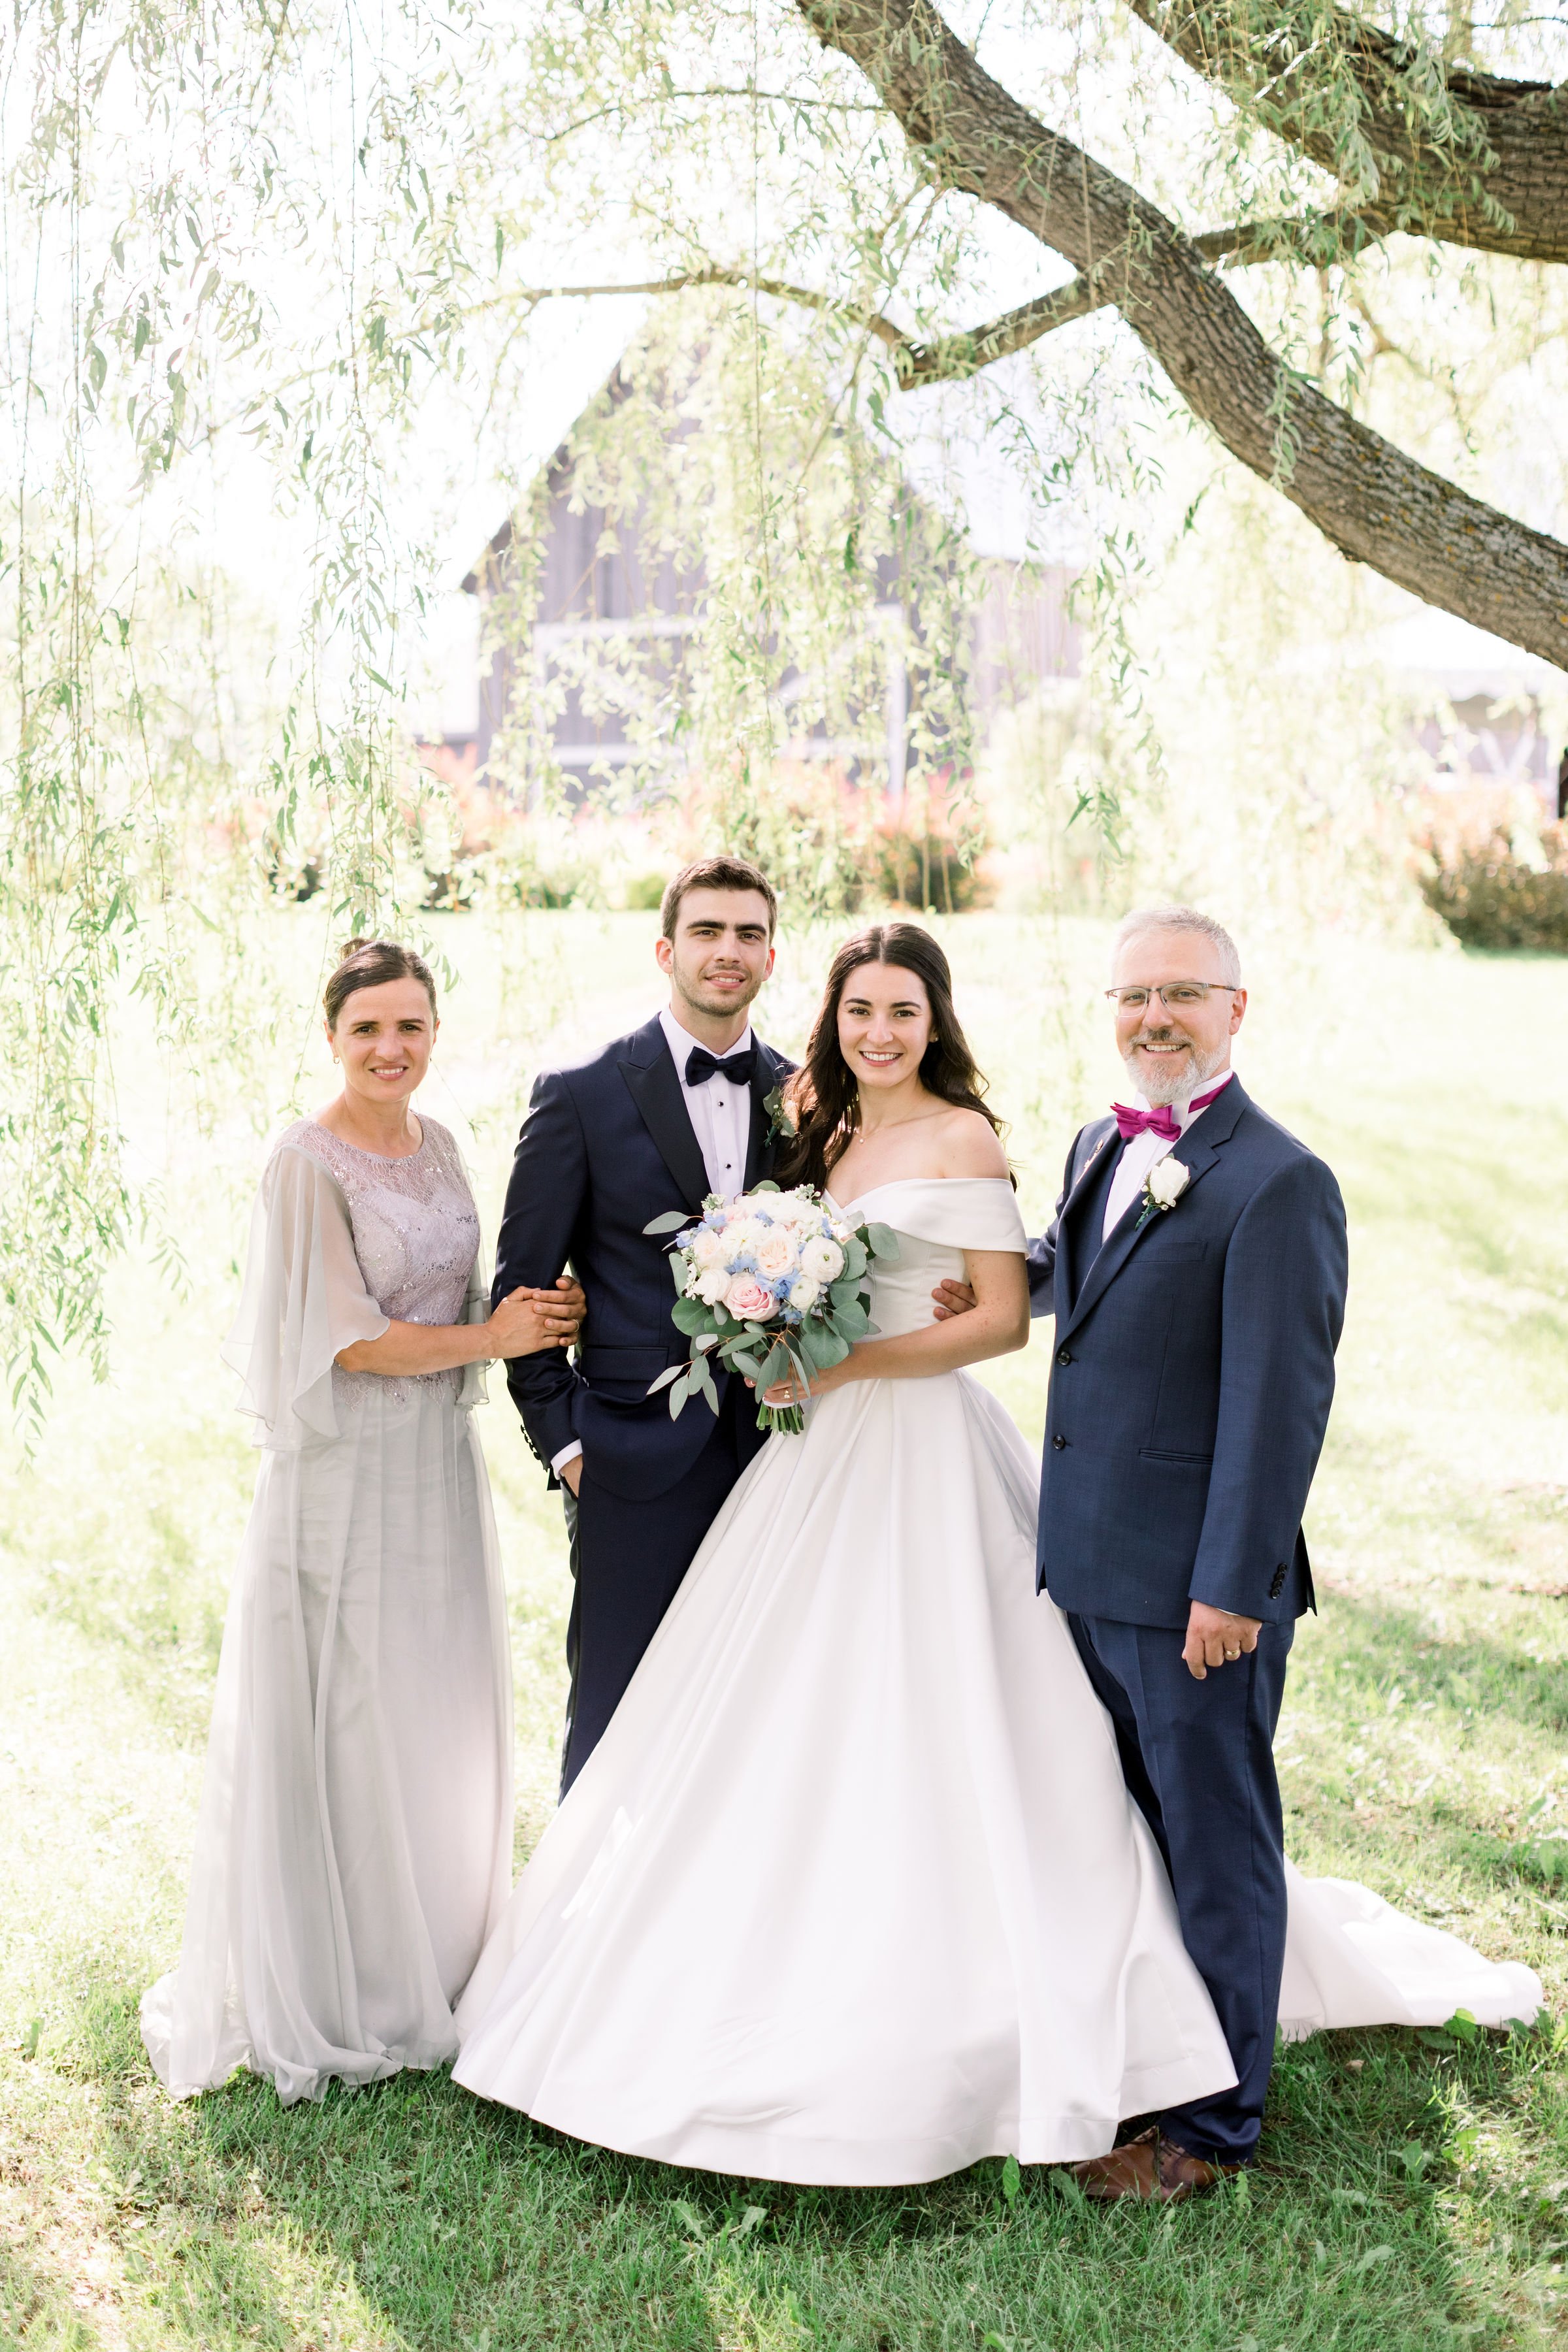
[670, 1222]
[884, 1240]
[673, 1373]
[690, 1316]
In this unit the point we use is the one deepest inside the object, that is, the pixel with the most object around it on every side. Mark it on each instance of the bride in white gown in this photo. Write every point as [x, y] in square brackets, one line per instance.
[852, 1891]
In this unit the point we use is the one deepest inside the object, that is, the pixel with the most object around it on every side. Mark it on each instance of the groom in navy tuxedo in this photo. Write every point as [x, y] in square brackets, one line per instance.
[652, 1122]
[1196, 1270]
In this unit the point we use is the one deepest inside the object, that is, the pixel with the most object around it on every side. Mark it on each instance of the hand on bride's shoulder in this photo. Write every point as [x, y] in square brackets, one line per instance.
[970, 1146]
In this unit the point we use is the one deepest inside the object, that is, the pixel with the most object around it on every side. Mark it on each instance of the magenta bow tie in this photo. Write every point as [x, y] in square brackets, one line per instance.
[1161, 1122]
[1130, 1122]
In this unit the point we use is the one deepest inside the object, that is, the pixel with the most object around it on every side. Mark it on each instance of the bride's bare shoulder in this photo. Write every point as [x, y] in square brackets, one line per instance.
[970, 1146]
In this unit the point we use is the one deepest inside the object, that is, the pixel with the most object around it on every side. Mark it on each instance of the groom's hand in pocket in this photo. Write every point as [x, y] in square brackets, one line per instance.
[1215, 1638]
[952, 1298]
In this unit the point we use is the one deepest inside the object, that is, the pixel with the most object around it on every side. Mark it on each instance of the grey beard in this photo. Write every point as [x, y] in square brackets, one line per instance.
[1182, 1083]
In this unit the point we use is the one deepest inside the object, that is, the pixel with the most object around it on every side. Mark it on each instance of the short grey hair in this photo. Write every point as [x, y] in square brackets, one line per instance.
[1180, 919]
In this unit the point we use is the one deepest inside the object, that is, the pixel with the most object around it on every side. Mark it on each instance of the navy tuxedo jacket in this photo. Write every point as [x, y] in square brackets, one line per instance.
[1194, 1370]
[606, 1147]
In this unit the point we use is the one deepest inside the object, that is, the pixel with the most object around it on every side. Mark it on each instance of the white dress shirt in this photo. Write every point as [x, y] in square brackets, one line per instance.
[720, 1115]
[1142, 1153]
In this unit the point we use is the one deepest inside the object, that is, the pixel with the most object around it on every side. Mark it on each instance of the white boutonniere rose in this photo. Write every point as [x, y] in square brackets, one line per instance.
[1163, 1187]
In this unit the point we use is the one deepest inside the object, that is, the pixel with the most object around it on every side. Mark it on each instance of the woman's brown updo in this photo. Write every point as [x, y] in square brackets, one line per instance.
[367, 964]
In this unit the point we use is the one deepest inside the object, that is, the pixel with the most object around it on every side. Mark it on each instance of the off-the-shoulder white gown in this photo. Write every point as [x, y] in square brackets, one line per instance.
[354, 1847]
[852, 1890]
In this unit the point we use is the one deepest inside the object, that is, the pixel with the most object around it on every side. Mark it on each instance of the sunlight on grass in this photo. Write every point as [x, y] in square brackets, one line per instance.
[1415, 2188]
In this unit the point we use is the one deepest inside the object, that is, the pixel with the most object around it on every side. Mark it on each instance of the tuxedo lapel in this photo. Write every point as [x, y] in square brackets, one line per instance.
[1084, 1209]
[771, 1074]
[650, 1076]
[1197, 1151]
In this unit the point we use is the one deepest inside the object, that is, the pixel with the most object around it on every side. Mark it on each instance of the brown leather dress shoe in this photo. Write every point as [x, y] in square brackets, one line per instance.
[1149, 2166]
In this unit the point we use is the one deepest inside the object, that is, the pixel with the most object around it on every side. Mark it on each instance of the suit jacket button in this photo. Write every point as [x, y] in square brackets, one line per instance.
[1277, 1584]
[1064, 1354]
[1060, 1443]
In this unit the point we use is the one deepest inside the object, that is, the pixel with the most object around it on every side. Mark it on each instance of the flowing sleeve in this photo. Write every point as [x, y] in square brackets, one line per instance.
[472, 1390]
[304, 1300]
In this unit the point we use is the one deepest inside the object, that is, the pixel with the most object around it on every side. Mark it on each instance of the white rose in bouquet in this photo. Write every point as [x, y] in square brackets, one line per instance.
[709, 1246]
[710, 1284]
[775, 1251]
[804, 1294]
[822, 1259]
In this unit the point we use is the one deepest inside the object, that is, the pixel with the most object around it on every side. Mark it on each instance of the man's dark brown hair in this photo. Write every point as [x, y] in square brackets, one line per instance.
[716, 874]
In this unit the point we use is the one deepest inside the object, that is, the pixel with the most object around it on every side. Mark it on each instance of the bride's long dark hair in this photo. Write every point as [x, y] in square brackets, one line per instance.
[823, 1099]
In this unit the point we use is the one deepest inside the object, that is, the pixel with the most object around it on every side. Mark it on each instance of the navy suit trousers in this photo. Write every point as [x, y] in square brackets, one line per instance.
[1199, 1759]
[628, 1561]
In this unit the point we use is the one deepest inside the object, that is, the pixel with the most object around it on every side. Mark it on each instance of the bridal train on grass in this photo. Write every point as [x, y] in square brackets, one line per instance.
[852, 1890]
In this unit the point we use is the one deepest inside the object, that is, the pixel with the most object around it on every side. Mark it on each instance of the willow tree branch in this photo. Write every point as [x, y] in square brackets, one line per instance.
[1317, 240]
[953, 357]
[948, 358]
[1369, 498]
[1467, 158]
[713, 275]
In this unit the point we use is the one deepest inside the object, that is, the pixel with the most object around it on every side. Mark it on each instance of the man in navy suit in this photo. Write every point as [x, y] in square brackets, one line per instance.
[652, 1122]
[1196, 1270]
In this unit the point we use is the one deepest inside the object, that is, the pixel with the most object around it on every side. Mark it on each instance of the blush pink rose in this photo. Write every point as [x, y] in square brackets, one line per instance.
[747, 1300]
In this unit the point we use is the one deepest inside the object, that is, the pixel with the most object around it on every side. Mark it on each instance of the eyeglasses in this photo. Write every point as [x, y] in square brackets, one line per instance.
[1177, 996]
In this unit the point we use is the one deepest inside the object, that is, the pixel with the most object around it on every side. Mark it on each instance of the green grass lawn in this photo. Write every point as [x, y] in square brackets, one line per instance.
[1414, 2191]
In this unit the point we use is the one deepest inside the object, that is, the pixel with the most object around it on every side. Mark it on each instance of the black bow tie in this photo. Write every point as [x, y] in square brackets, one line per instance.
[739, 1068]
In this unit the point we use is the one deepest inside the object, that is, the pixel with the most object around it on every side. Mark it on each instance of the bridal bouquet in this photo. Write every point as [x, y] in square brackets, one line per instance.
[772, 1282]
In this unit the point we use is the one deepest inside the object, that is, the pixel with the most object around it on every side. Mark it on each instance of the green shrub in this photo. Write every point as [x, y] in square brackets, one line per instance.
[911, 866]
[517, 876]
[1491, 897]
[645, 894]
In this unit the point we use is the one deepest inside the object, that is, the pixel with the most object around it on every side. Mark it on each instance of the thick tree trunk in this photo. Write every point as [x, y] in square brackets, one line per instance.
[1376, 503]
[1500, 185]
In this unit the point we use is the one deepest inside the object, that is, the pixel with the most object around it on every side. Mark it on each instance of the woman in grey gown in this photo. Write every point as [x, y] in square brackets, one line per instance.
[354, 1839]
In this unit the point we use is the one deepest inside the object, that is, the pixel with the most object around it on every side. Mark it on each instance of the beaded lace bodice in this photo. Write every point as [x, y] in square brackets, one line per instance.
[415, 1231]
